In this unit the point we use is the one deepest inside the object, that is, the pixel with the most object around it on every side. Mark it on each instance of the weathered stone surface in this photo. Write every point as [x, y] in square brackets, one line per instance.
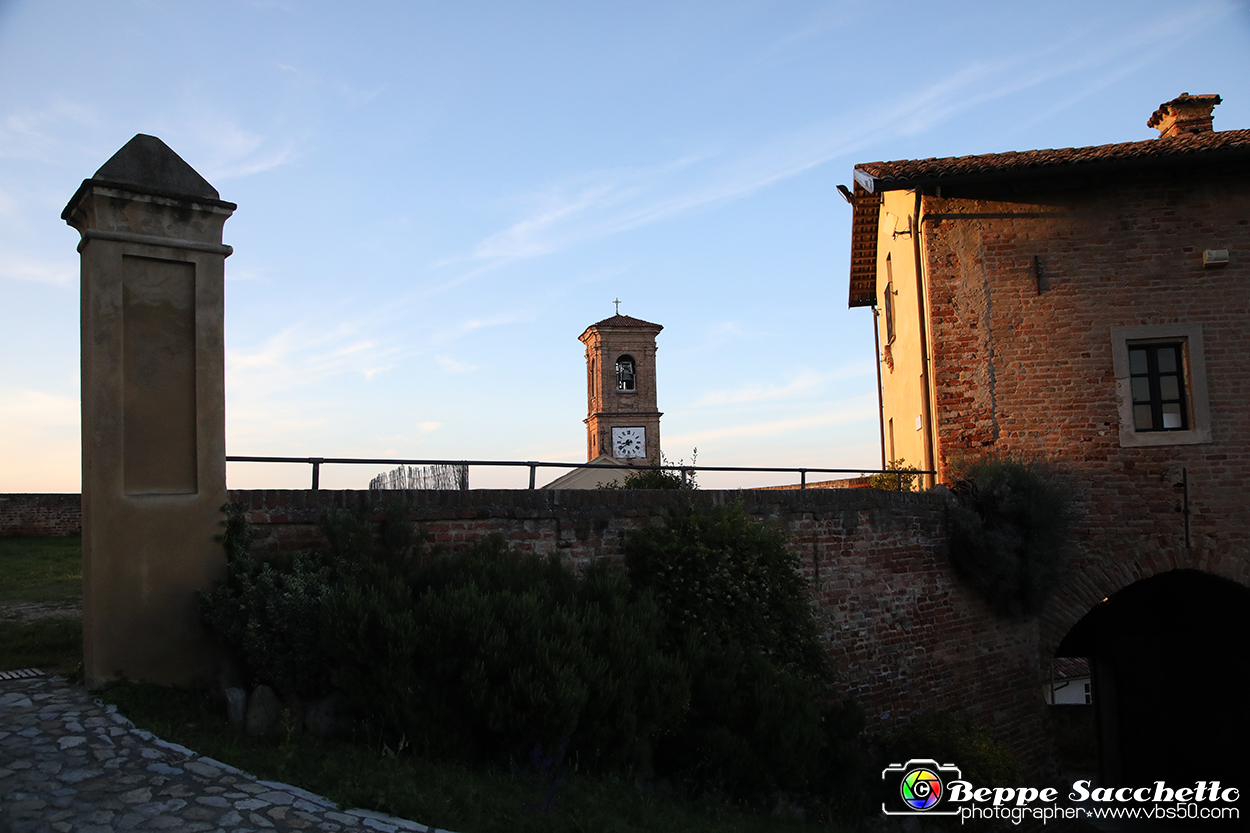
[154, 785]
[153, 413]
[264, 710]
[236, 705]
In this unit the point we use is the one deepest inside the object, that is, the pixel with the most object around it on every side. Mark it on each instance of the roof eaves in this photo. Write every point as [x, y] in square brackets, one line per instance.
[1224, 146]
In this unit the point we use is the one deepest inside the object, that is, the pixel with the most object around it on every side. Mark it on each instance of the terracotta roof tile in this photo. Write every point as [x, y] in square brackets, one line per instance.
[626, 321]
[867, 210]
[906, 173]
[1068, 668]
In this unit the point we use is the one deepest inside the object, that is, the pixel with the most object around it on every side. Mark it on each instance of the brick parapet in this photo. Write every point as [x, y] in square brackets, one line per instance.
[905, 635]
[54, 514]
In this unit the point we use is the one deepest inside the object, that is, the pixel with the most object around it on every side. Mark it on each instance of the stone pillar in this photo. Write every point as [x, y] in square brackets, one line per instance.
[153, 413]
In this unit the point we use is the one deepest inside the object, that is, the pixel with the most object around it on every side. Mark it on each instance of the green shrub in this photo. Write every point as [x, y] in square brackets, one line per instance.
[269, 611]
[269, 614]
[659, 478]
[1010, 523]
[983, 760]
[738, 614]
[702, 662]
[486, 654]
[905, 481]
[723, 575]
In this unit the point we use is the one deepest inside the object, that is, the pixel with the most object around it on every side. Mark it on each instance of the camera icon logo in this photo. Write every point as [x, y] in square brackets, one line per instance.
[921, 786]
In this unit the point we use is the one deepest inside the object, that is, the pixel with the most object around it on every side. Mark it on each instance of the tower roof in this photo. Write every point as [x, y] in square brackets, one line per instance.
[623, 322]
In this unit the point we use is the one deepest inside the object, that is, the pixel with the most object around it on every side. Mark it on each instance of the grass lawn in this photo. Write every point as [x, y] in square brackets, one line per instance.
[40, 576]
[40, 570]
[54, 645]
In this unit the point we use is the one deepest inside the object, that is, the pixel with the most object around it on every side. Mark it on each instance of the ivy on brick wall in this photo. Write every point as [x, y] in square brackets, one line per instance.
[1011, 523]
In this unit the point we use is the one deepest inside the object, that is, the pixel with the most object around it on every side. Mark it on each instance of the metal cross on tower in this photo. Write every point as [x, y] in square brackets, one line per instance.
[618, 306]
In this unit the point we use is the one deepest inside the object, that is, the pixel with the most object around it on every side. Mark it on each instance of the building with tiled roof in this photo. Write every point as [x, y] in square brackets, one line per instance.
[1091, 307]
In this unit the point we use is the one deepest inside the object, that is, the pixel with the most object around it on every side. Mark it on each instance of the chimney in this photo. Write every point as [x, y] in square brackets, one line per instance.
[1184, 114]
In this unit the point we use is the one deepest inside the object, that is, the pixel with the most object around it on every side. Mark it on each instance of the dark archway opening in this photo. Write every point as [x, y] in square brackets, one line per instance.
[1171, 683]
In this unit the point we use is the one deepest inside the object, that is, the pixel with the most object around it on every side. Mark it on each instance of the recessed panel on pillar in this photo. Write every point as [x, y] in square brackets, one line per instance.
[158, 361]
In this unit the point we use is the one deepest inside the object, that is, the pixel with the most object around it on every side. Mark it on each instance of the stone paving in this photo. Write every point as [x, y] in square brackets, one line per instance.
[69, 764]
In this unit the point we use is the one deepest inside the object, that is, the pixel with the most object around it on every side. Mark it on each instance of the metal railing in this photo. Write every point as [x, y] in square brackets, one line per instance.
[534, 465]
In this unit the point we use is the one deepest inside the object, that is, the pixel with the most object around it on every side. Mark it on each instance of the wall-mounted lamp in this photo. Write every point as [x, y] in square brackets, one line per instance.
[1215, 257]
[846, 194]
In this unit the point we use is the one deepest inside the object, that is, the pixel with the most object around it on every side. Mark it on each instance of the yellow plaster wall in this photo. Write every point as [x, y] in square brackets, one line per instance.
[901, 359]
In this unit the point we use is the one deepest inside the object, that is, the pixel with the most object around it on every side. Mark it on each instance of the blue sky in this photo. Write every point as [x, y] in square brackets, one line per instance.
[436, 199]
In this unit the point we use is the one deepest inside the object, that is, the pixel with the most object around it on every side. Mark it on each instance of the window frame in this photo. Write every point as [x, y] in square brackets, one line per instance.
[1198, 413]
[888, 302]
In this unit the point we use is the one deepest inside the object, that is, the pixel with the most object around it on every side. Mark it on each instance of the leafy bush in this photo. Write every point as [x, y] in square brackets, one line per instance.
[486, 654]
[703, 662]
[1010, 524]
[725, 576]
[269, 611]
[737, 612]
[905, 481]
[659, 478]
[269, 614]
[983, 760]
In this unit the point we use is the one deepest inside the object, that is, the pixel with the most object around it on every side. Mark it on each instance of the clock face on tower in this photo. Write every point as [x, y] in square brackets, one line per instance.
[629, 442]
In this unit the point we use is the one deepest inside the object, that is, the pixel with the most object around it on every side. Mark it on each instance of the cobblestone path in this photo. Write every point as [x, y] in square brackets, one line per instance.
[71, 765]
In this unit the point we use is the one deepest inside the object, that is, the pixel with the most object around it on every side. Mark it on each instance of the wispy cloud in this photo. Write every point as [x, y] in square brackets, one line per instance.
[831, 413]
[608, 202]
[42, 134]
[19, 267]
[301, 354]
[452, 366]
[805, 384]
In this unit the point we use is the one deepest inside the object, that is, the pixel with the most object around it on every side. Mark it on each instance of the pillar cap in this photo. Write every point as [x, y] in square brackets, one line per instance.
[146, 165]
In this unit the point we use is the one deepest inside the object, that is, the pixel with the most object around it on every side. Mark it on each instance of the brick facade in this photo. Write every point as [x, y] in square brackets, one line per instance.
[1024, 300]
[1032, 373]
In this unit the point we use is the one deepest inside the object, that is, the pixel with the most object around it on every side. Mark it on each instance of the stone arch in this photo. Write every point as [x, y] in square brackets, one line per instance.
[1169, 681]
[1092, 580]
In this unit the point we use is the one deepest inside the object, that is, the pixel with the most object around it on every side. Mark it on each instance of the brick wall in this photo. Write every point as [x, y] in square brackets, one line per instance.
[905, 635]
[1032, 373]
[41, 514]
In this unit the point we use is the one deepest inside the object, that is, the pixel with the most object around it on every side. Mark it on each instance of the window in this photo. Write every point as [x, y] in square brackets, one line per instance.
[889, 302]
[1158, 381]
[625, 380]
[1161, 380]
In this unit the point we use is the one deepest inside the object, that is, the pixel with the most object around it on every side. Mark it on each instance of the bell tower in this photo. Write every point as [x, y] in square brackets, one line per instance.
[622, 421]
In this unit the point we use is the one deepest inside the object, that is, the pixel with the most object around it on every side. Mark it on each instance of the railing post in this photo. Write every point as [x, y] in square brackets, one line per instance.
[316, 464]
[802, 478]
[533, 470]
[900, 480]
